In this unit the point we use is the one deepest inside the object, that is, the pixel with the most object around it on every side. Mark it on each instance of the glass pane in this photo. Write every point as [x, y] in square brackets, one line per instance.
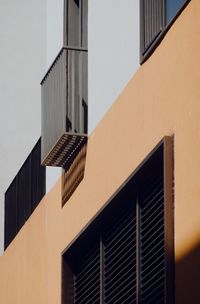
[173, 6]
[84, 23]
[73, 23]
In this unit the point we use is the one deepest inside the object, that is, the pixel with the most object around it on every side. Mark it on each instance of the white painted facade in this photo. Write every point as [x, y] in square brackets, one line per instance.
[113, 44]
[22, 62]
[54, 29]
[31, 36]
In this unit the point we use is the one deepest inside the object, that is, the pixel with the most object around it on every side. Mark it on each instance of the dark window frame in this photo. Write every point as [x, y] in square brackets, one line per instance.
[146, 53]
[95, 228]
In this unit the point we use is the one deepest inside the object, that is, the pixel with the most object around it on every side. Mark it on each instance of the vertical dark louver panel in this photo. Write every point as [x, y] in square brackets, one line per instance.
[152, 21]
[152, 262]
[87, 278]
[24, 194]
[38, 177]
[10, 213]
[120, 260]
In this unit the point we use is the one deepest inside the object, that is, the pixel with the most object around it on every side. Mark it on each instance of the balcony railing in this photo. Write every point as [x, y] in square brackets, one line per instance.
[64, 107]
[24, 194]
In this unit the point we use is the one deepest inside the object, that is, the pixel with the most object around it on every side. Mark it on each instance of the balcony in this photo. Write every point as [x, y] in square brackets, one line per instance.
[24, 194]
[64, 107]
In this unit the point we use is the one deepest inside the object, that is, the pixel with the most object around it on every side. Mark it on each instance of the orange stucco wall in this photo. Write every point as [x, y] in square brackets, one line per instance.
[163, 98]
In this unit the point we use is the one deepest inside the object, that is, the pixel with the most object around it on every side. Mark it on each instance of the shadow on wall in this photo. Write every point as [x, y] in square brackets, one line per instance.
[188, 277]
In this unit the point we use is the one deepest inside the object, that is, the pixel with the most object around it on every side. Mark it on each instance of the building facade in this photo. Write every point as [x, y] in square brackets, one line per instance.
[129, 232]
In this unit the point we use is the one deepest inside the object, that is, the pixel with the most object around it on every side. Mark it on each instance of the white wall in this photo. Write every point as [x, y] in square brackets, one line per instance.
[31, 35]
[54, 29]
[113, 44]
[22, 62]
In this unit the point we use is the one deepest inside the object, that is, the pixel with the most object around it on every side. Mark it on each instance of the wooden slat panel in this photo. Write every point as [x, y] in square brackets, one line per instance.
[72, 176]
[65, 150]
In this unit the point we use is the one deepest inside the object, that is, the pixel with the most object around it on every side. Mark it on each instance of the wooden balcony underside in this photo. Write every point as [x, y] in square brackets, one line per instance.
[65, 150]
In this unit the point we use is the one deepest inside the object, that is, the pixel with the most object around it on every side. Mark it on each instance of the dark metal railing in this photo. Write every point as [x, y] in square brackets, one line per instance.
[24, 194]
[64, 97]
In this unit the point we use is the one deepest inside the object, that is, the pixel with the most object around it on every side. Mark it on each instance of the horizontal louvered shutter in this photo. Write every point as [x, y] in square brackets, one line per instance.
[152, 252]
[120, 260]
[87, 278]
[134, 260]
